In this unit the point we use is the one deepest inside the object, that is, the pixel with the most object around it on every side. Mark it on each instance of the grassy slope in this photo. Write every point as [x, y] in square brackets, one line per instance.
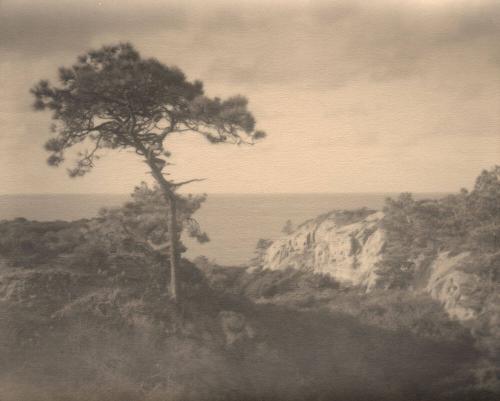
[84, 323]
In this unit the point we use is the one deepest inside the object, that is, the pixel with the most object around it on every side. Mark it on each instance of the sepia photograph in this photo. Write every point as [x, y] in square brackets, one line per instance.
[250, 200]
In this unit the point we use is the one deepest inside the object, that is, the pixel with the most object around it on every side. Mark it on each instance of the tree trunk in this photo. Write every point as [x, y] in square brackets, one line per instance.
[174, 247]
[173, 229]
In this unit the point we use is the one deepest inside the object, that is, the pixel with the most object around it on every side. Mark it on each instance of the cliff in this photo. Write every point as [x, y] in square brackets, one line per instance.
[346, 249]
[349, 246]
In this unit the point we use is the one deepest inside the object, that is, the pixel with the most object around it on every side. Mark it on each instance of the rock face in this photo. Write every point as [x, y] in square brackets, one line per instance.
[451, 286]
[348, 248]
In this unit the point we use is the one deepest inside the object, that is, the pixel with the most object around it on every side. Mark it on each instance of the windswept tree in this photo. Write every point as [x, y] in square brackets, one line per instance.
[113, 98]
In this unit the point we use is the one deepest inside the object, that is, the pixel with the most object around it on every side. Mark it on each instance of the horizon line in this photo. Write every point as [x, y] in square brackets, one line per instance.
[235, 193]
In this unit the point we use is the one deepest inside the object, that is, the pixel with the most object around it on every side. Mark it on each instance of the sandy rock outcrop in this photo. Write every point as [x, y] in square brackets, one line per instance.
[348, 251]
[452, 286]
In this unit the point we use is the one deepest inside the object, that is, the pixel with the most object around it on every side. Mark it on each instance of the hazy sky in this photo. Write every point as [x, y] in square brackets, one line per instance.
[356, 96]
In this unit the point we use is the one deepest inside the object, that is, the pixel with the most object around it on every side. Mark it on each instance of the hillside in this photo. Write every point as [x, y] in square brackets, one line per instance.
[350, 247]
[84, 319]
[446, 250]
[353, 305]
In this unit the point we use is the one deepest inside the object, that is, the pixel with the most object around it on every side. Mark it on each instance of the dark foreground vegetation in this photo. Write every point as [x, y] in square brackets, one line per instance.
[85, 316]
[72, 334]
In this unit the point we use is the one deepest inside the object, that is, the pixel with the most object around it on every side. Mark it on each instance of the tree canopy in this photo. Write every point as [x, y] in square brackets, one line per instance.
[466, 221]
[116, 99]
[141, 221]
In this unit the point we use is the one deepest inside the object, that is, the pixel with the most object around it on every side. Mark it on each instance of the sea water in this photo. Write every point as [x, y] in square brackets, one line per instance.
[234, 222]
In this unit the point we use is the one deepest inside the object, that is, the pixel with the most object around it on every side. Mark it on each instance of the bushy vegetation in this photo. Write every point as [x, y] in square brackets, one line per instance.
[138, 227]
[84, 338]
[85, 315]
[73, 333]
[396, 310]
[263, 283]
[465, 222]
[27, 243]
[399, 312]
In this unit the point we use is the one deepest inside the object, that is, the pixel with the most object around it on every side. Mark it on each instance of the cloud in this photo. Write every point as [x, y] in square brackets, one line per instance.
[325, 44]
[349, 82]
[38, 29]
[330, 44]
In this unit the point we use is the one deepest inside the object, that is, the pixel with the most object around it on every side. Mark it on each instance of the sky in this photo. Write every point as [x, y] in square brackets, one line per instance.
[355, 96]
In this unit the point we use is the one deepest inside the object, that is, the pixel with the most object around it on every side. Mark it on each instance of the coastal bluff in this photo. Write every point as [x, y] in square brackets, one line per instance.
[349, 246]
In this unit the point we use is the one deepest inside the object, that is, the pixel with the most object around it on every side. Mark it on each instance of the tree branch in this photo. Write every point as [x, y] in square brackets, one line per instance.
[179, 184]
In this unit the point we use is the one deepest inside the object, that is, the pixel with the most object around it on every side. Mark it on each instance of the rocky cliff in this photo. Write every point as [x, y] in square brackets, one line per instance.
[346, 250]
[348, 246]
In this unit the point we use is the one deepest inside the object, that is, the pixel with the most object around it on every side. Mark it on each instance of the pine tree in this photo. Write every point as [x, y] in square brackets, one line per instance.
[113, 98]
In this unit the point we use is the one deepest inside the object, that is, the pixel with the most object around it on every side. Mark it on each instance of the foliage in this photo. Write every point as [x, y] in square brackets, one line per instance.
[469, 222]
[417, 229]
[263, 283]
[114, 98]
[124, 343]
[99, 321]
[395, 310]
[28, 243]
[259, 284]
[260, 250]
[137, 229]
[142, 222]
[287, 228]
[346, 217]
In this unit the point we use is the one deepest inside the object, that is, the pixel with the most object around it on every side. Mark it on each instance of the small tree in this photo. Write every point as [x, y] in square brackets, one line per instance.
[484, 200]
[113, 98]
[287, 228]
[140, 223]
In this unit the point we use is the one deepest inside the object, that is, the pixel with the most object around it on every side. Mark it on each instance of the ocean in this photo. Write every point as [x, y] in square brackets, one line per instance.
[234, 222]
